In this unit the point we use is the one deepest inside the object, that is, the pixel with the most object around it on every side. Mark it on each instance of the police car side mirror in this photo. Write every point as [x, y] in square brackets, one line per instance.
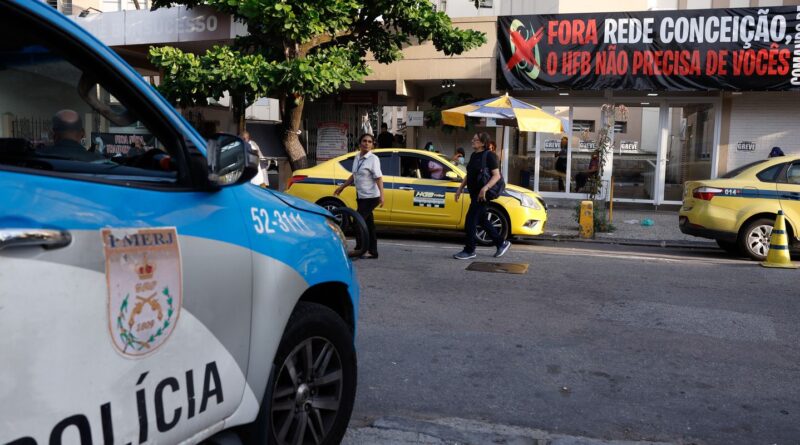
[453, 176]
[230, 160]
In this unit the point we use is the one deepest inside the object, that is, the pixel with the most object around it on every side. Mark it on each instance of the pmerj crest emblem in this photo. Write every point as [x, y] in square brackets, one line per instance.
[143, 272]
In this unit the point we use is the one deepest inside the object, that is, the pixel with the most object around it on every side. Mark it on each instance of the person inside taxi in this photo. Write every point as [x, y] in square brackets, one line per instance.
[368, 179]
[435, 169]
[459, 158]
[67, 135]
[477, 193]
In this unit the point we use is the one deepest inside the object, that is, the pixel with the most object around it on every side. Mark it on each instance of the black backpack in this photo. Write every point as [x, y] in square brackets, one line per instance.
[485, 175]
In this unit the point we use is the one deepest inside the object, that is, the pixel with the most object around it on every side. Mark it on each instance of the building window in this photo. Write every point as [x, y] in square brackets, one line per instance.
[489, 4]
[620, 127]
[579, 126]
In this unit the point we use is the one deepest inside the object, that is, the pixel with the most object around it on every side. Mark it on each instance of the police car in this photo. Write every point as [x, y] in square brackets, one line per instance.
[148, 292]
[739, 208]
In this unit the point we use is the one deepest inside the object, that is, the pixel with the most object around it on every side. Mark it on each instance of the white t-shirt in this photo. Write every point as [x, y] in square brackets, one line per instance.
[366, 171]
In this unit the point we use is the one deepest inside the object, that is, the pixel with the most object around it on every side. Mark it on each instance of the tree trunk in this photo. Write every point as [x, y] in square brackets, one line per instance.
[238, 113]
[292, 117]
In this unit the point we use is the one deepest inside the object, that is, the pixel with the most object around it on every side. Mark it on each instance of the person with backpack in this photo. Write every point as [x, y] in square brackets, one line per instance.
[484, 183]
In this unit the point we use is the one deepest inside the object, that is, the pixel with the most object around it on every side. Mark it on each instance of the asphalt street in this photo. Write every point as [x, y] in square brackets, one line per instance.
[599, 341]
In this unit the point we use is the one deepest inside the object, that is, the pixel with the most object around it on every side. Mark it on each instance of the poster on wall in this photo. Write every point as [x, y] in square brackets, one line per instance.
[754, 49]
[331, 140]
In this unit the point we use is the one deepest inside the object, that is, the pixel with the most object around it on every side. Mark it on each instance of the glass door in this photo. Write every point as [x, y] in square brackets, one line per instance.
[553, 153]
[690, 146]
[636, 133]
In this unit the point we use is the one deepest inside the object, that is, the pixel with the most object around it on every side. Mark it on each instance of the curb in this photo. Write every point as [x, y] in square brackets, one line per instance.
[629, 242]
[463, 431]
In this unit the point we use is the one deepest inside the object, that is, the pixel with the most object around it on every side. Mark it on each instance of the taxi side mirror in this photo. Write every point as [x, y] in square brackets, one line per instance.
[453, 176]
[231, 160]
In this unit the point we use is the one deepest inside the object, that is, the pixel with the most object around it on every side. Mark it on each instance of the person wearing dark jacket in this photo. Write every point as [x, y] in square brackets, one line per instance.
[477, 193]
[385, 139]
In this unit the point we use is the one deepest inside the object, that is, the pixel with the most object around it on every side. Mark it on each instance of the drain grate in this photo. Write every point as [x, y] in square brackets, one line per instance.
[518, 268]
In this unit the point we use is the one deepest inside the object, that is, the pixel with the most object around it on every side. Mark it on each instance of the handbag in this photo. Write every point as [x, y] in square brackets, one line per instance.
[497, 189]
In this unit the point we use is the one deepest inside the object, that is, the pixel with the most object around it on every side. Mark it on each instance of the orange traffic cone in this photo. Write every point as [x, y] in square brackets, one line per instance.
[778, 255]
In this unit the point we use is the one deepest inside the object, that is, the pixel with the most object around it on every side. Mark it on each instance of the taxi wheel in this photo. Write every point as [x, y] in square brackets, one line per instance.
[313, 383]
[500, 223]
[754, 238]
[329, 204]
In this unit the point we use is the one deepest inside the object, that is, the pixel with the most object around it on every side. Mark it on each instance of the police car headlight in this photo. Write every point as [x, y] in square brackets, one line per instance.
[338, 230]
[525, 200]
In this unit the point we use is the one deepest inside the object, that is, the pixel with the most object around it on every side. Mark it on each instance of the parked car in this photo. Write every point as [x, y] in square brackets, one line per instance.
[414, 199]
[739, 209]
[153, 296]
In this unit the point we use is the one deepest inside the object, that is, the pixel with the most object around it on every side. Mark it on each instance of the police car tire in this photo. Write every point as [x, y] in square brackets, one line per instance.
[311, 320]
[504, 225]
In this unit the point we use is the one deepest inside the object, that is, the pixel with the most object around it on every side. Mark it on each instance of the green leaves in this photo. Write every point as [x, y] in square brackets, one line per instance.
[191, 79]
[302, 49]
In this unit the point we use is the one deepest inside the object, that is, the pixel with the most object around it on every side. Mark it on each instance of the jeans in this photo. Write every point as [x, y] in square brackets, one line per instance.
[477, 215]
[365, 208]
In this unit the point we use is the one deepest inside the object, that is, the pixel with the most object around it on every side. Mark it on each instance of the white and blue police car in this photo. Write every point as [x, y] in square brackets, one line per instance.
[148, 292]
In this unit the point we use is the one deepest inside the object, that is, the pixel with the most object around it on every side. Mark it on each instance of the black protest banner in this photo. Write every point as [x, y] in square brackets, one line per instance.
[754, 49]
[121, 143]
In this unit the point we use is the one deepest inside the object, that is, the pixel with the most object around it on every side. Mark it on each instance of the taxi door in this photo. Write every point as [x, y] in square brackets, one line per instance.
[789, 192]
[420, 200]
[125, 291]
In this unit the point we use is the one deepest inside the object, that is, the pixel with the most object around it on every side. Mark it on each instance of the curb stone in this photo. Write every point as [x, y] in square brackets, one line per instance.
[451, 431]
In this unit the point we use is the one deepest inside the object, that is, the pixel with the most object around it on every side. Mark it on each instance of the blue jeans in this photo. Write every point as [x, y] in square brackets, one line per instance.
[477, 215]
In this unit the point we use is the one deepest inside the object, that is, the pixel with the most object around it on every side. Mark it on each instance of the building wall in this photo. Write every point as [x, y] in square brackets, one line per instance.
[768, 119]
[423, 62]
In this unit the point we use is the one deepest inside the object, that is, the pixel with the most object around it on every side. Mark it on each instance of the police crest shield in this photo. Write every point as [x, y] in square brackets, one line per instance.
[144, 281]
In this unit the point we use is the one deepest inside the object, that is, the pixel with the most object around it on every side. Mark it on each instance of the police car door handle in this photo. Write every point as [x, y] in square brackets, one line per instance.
[405, 188]
[47, 238]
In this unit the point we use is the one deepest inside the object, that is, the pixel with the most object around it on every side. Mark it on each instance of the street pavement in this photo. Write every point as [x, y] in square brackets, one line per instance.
[595, 344]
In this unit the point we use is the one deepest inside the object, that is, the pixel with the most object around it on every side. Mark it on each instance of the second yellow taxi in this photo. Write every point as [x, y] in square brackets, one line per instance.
[739, 208]
[414, 199]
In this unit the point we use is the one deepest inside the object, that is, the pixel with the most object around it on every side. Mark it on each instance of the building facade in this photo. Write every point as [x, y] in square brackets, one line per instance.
[663, 136]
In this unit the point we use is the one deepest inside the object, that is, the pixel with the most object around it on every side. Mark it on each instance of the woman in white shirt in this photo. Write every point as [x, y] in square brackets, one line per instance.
[368, 179]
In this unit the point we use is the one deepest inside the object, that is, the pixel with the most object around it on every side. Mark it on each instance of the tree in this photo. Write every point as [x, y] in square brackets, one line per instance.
[312, 48]
[191, 79]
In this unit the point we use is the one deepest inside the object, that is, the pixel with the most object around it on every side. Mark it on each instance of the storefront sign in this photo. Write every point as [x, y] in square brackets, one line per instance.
[331, 140]
[628, 146]
[552, 145]
[746, 146]
[587, 145]
[687, 50]
[415, 118]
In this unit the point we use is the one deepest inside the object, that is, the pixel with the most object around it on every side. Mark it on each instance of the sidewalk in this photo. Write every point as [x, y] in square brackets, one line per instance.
[561, 224]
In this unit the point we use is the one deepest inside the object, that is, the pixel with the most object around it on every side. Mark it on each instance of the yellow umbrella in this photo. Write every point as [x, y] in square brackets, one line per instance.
[528, 117]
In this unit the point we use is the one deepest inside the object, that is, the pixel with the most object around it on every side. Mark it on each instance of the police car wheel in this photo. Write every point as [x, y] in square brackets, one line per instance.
[754, 238]
[500, 223]
[312, 388]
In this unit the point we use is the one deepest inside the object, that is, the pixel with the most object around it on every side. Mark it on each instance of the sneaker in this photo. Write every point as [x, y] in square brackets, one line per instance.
[464, 255]
[502, 249]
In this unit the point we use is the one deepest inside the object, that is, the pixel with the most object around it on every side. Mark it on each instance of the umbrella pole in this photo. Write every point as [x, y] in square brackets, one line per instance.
[504, 161]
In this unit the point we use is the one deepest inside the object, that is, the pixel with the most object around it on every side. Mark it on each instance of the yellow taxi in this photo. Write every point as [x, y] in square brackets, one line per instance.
[739, 208]
[412, 198]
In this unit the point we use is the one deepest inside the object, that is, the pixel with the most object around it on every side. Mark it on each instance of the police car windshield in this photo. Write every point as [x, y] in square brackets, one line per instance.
[735, 172]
